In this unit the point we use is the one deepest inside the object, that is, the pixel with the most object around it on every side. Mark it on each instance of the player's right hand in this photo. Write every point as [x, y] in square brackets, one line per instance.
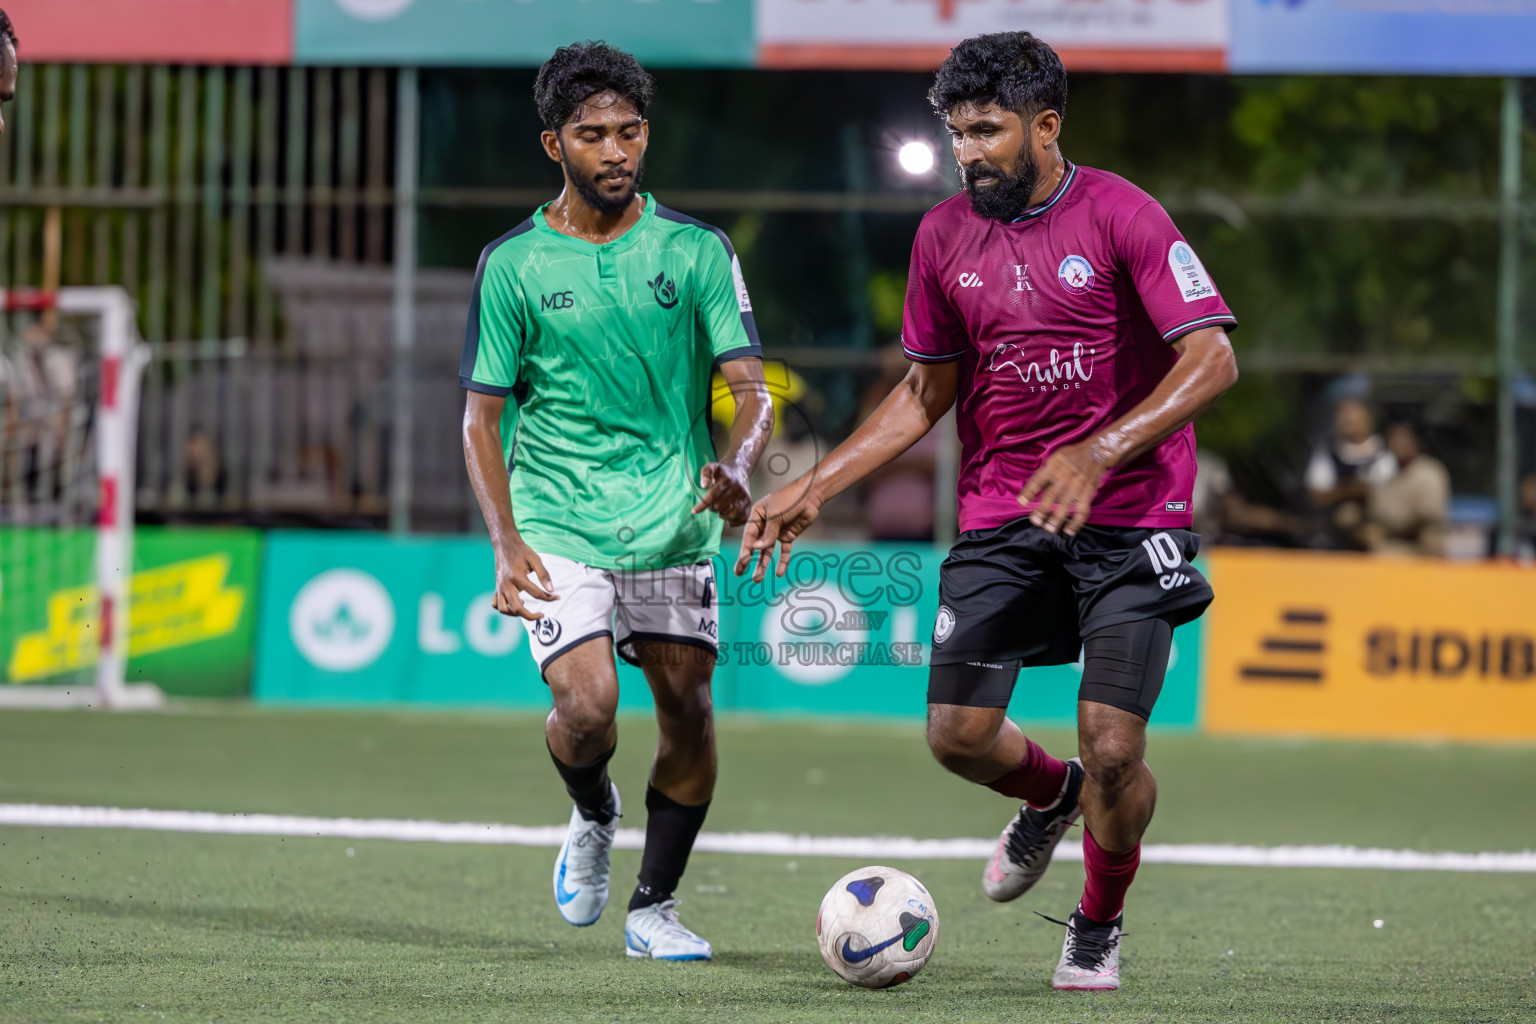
[778, 519]
[515, 569]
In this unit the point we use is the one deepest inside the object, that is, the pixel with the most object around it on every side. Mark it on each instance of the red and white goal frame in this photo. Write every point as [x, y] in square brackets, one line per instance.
[121, 359]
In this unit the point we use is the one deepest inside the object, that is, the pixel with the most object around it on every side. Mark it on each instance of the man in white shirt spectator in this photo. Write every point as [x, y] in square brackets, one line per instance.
[1343, 470]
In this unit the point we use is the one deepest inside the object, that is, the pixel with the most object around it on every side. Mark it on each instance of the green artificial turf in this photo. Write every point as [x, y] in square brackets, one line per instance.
[125, 926]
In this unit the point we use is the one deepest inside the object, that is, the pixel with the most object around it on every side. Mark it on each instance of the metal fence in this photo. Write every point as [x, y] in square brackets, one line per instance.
[302, 431]
[193, 188]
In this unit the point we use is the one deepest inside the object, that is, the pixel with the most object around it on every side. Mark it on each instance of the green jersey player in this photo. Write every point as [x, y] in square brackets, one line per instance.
[593, 333]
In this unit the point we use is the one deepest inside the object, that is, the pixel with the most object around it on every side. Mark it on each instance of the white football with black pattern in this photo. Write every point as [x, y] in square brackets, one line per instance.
[877, 927]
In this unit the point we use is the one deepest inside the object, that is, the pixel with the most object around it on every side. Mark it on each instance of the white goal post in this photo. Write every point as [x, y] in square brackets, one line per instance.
[96, 424]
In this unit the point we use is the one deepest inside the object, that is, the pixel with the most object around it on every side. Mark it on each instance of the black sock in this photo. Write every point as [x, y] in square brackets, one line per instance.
[670, 829]
[588, 785]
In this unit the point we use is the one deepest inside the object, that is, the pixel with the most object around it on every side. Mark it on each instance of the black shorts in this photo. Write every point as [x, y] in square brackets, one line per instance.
[1017, 596]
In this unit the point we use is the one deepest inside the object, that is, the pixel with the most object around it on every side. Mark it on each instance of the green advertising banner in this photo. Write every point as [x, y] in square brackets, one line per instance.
[358, 618]
[191, 616]
[511, 33]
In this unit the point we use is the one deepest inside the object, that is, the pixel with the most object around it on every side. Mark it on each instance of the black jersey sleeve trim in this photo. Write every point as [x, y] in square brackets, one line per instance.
[1188, 326]
[472, 328]
[929, 357]
[747, 320]
[470, 384]
[739, 353]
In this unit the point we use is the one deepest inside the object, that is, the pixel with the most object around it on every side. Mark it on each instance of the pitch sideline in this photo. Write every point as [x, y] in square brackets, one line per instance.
[881, 848]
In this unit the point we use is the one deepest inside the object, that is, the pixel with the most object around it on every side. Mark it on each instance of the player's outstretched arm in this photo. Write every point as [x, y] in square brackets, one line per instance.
[908, 412]
[1065, 485]
[516, 563]
[725, 482]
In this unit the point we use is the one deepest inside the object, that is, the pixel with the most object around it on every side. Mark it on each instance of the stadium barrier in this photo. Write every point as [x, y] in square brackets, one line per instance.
[366, 619]
[1296, 644]
[1351, 646]
[192, 608]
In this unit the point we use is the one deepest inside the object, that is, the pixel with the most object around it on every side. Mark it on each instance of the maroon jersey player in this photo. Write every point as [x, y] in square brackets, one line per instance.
[1077, 334]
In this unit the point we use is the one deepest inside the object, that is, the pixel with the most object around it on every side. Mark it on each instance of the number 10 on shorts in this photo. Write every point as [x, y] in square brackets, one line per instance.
[1166, 558]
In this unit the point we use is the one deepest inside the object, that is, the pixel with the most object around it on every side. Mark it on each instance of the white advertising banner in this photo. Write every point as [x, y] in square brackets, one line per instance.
[1119, 35]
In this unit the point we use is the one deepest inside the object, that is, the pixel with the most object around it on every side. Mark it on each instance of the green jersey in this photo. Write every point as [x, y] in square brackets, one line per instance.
[607, 353]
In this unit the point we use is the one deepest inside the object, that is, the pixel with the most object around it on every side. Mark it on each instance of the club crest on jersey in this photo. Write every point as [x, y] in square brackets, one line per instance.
[665, 291]
[944, 625]
[1076, 274]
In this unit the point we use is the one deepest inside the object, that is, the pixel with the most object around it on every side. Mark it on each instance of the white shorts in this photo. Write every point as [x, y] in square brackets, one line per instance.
[676, 604]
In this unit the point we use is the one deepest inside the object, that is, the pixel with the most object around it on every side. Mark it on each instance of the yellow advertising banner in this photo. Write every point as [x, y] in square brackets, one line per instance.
[1350, 645]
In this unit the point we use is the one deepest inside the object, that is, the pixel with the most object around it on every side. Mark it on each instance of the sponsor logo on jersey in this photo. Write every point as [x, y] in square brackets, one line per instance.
[557, 300]
[1189, 273]
[1021, 278]
[970, 279]
[1075, 273]
[664, 290]
[1176, 506]
[743, 300]
[1059, 367]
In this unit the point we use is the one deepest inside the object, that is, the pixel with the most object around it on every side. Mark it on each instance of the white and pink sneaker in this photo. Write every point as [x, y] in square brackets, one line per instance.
[1090, 956]
[1023, 851]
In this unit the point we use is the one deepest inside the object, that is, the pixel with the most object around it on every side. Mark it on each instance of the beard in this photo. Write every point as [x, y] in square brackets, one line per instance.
[1008, 198]
[603, 202]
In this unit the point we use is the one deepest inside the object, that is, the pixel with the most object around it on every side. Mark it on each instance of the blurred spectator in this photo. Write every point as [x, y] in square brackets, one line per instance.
[1343, 471]
[898, 497]
[39, 381]
[1409, 513]
[1525, 535]
[204, 467]
[1224, 516]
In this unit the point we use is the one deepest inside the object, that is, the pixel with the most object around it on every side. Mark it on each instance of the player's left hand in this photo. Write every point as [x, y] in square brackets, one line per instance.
[726, 493]
[1064, 487]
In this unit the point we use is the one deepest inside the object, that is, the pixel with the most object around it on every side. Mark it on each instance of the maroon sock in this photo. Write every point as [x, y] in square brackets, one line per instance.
[1038, 779]
[1109, 876]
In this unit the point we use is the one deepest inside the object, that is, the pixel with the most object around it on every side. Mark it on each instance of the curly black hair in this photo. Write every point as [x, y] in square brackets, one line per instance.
[1015, 70]
[579, 71]
[6, 31]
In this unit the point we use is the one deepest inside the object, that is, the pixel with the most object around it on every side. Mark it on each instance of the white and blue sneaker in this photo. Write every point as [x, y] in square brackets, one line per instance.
[655, 932]
[581, 869]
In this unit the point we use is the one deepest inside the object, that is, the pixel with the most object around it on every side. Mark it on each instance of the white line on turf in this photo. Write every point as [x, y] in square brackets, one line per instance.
[770, 843]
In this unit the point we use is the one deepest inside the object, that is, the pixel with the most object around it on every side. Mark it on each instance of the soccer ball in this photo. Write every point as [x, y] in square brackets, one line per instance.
[877, 927]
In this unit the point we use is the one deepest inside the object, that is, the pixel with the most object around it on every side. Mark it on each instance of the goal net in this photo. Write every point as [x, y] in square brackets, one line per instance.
[70, 365]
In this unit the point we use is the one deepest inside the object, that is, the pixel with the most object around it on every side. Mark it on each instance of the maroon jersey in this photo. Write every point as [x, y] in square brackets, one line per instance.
[1061, 321]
